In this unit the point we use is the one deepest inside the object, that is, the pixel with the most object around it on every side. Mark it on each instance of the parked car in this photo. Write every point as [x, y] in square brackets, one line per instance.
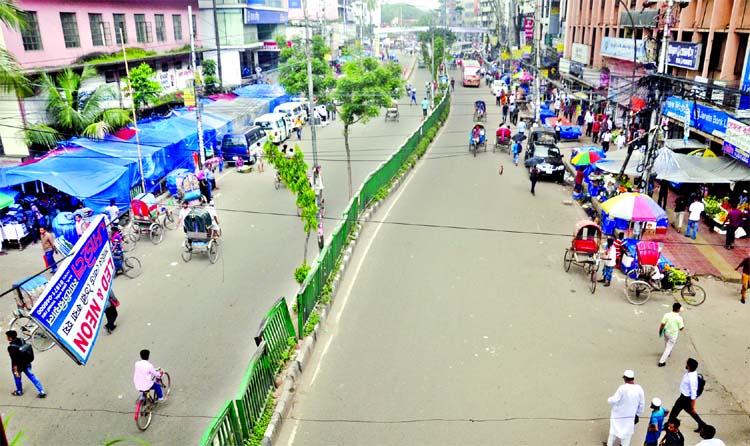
[539, 135]
[243, 144]
[293, 110]
[278, 126]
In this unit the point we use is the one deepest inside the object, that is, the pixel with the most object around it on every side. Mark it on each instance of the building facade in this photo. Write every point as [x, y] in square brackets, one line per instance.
[62, 34]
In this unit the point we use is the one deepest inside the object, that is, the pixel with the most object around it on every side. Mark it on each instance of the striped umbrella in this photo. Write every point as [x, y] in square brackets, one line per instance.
[633, 206]
[586, 158]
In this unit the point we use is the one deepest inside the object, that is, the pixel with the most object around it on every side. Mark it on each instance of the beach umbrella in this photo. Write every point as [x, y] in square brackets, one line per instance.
[633, 206]
[586, 158]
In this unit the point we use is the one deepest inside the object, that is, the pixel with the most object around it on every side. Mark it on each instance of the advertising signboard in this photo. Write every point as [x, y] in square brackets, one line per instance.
[737, 141]
[684, 55]
[72, 306]
[580, 53]
[621, 48]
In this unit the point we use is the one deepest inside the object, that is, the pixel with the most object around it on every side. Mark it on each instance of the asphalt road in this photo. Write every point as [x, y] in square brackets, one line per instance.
[457, 324]
[197, 319]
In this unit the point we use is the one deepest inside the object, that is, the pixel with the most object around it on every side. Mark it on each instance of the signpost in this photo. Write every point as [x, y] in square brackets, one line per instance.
[71, 308]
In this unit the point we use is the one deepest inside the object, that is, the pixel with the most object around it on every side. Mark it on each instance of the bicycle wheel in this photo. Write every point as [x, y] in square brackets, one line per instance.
[213, 251]
[131, 267]
[169, 221]
[638, 292]
[143, 412]
[568, 259]
[693, 294]
[24, 326]
[592, 272]
[156, 233]
[41, 341]
[166, 383]
[187, 254]
[135, 232]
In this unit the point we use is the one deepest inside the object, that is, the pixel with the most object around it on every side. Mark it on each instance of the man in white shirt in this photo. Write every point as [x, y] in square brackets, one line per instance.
[707, 434]
[557, 106]
[620, 140]
[688, 394]
[627, 403]
[145, 375]
[671, 325]
[589, 120]
[522, 127]
[112, 211]
[606, 138]
[694, 217]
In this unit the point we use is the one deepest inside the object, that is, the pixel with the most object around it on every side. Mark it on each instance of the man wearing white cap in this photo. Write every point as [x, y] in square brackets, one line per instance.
[656, 423]
[627, 404]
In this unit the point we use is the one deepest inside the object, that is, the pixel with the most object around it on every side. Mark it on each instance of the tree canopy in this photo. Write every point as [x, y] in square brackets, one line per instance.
[145, 89]
[293, 68]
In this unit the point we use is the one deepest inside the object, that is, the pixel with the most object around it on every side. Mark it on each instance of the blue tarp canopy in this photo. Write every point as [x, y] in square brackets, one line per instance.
[275, 92]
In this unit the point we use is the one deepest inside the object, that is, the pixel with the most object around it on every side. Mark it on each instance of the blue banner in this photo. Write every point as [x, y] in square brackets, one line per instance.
[264, 16]
[710, 120]
[621, 48]
[684, 55]
[296, 4]
[745, 87]
[678, 109]
[71, 307]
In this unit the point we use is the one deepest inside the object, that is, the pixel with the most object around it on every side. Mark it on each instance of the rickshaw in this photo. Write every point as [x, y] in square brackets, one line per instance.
[477, 139]
[650, 277]
[146, 215]
[201, 235]
[584, 250]
[392, 112]
[480, 111]
[502, 142]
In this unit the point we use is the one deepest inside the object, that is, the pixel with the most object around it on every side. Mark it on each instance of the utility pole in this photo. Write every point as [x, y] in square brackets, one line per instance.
[132, 110]
[308, 56]
[537, 56]
[196, 89]
[218, 46]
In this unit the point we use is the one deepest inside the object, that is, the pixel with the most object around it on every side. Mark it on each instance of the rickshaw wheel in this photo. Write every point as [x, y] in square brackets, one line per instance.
[156, 233]
[568, 259]
[638, 292]
[592, 269]
[213, 251]
[131, 267]
[187, 254]
[693, 294]
[169, 221]
[135, 232]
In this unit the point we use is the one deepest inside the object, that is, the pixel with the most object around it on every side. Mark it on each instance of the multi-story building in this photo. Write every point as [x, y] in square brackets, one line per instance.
[61, 34]
[247, 30]
[609, 43]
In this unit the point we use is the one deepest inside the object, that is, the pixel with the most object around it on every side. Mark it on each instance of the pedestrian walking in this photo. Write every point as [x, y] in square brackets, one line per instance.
[734, 221]
[21, 357]
[680, 205]
[557, 105]
[425, 106]
[655, 423]
[694, 216]
[578, 183]
[589, 120]
[453, 84]
[708, 434]
[558, 130]
[627, 404]
[672, 434]
[620, 140]
[606, 138]
[689, 393]
[505, 112]
[110, 312]
[619, 245]
[663, 193]
[498, 98]
[513, 110]
[534, 176]
[298, 127]
[49, 249]
[610, 259]
[745, 265]
[671, 326]
[516, 152]
[596, 127]
[413, 98]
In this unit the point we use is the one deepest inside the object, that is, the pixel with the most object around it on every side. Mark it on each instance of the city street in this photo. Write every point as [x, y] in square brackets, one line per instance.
[197, 319]
[457, 324]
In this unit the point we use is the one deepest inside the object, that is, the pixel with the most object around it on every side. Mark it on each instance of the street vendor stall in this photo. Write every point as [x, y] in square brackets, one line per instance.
[634, 209]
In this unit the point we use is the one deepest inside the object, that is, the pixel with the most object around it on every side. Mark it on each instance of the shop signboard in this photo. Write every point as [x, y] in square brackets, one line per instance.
[264, 16]
[621, 48]
[709, 120]
[684, 55]
[580, 53]
[737, 141]
[72, 306]
[678, 109]
[295, 4]
[528, 28]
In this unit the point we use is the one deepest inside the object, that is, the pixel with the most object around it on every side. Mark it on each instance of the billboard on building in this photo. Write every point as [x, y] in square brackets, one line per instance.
[580, 53]
[625, 49]
[684, 55]
[737, 141]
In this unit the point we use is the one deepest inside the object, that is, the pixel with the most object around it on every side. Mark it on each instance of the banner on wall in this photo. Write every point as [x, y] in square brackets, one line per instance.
[621, 48]
[737, 141]
[684, 55]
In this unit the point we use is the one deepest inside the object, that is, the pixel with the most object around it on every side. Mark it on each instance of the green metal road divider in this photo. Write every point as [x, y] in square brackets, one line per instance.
[236, 420]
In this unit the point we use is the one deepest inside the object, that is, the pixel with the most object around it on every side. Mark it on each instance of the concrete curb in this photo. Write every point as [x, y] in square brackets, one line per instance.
[296, 367]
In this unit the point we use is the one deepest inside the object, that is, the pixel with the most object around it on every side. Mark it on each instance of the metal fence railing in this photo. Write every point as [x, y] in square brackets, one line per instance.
[238, 417]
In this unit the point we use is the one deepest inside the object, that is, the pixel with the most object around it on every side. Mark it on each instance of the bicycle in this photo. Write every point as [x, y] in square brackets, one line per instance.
[129, 267]
[168, 220]
[147, 401]
[30, 331]
[638, 291]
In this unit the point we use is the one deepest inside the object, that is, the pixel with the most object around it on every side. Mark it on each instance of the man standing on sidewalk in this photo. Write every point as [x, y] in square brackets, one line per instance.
[20, 362]
[680, 204]
[694, 217]
[48, 246]
[734, 221]
[745, 265]
[627, 404]
[688, 394]
[671, 325]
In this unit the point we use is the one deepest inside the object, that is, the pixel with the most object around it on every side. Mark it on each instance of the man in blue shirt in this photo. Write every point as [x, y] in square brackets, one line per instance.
[425, 106]
[655, 423]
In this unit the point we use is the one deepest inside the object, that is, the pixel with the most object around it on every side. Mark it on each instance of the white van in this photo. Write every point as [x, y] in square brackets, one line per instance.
[278, 126]
[293, 110]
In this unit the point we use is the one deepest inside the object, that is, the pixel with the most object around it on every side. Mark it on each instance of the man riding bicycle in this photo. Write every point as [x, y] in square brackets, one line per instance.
[145, 376]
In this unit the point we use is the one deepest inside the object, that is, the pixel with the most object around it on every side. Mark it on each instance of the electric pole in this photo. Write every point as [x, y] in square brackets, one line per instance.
[196, 89]
[310, 105]
[218, 46]
[132, 109]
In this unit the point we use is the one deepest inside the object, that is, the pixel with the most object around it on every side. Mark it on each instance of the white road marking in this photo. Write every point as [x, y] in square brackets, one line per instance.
[293, 434]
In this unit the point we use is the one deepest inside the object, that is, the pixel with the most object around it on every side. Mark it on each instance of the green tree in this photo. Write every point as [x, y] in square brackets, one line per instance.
[144, 89]
[208, 66]
[12, 75]
[366, 87]
[293, 68]
[293, 173]
[73, 113]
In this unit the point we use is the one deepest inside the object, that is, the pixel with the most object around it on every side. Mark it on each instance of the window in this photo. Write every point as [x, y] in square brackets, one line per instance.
[142, 29]
[121, 29]
[177, 25]
[161, 31]
[70, 29]
[101, 35]
[32, 40]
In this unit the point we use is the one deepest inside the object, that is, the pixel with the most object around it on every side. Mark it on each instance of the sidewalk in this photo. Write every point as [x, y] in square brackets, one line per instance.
[705, 256]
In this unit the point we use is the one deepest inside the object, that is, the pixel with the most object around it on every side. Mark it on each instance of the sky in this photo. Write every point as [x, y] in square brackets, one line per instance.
[423, 4]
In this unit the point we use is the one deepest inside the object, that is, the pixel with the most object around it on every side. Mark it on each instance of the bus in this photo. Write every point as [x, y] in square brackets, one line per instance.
[470, 73]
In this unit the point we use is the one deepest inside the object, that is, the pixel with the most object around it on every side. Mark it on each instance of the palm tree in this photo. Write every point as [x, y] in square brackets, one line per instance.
[12, 78]
[73, 114]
